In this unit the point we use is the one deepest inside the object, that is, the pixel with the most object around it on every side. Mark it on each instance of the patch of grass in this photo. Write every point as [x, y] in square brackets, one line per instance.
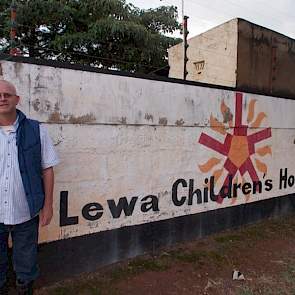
[264, 290]
[272, 290]
[188, 257]
[245, 291]
[85, 289]
[60, 291]
[118, 273]
[267, 228]
[289, 274]
[153, 264]
[231, 238]
[200, 257]
[254, 233]
[217, 258]
[83, 286]
[139, 265]
[281, 227]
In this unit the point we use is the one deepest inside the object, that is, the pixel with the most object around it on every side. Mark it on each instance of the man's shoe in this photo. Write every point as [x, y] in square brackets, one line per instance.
[4, 290]
[24, 288]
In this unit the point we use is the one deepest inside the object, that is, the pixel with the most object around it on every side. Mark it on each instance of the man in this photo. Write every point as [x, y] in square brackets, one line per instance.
[27, 158]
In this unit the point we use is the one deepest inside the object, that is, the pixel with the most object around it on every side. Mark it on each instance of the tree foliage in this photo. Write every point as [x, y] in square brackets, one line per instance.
[105, 33]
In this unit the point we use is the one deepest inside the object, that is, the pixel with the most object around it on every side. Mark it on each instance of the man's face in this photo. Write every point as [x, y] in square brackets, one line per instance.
[8, 98]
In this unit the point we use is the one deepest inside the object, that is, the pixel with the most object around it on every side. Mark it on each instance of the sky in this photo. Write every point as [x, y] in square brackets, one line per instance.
[206, 14]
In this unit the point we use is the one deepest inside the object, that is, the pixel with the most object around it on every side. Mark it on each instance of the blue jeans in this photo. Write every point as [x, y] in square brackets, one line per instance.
[25, 241]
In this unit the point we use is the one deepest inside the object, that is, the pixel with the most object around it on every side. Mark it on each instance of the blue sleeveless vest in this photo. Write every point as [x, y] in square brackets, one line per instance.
[29, 159]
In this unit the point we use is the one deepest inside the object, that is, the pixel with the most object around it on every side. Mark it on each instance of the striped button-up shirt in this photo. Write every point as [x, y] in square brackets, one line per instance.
[14, 208]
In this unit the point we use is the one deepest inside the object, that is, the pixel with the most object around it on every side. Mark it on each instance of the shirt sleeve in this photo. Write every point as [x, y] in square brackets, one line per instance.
[49, 157]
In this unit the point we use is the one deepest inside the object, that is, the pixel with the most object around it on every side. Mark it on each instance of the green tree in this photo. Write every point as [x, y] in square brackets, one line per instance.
[105, 33]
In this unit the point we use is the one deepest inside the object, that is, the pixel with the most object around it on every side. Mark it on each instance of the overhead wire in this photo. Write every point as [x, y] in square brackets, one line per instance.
[257, 12]
[222, 14]
[233, 4]
[277, 9]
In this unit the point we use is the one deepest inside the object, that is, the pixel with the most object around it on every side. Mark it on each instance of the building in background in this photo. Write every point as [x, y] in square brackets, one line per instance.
[239, 54]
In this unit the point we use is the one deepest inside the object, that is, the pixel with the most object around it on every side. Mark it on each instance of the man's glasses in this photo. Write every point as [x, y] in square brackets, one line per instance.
[6, 95]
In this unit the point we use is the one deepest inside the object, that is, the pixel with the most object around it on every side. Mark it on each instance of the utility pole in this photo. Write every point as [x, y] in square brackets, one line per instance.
[185, 47]
[182, 9]
[13, 49]
[185, 44]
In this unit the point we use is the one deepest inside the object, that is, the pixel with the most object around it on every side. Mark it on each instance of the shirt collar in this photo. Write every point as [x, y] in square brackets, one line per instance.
[15, 125]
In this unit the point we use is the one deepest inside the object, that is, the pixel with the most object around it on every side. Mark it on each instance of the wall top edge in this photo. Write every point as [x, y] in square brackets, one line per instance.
[85, 68]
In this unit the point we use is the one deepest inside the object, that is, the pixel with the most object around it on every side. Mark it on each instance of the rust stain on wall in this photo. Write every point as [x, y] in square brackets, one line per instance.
[123, 120]
[189, 101]
[17, 68]
[56, 107]
[226, 113]
[47, 105]
[179, 122]
[149, 117]
[57, 117]
[88, 118]
[163, 121]
[36, 105]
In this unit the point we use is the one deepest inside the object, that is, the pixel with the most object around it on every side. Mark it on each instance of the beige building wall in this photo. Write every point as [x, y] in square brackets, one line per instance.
[212, 56]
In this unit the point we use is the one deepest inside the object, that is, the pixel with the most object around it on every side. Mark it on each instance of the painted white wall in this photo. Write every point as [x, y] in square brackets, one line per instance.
[217, 48]
[124, 137]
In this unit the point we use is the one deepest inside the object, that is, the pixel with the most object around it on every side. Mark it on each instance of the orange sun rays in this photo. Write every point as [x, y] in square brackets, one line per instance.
[215, 166]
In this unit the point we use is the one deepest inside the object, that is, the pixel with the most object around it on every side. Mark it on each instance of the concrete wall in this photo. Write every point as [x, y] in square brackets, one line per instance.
[266, 60]
[212, 56]
[148, 163]
[122, 138]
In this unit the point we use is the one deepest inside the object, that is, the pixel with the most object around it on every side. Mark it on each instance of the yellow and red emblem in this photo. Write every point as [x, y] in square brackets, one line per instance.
[238, 146]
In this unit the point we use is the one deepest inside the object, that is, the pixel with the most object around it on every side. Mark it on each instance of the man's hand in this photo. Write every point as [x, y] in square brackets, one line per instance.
[47, 211]
[46, 215]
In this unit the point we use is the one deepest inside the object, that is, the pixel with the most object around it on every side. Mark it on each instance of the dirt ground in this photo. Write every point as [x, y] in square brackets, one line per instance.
[264, 253]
